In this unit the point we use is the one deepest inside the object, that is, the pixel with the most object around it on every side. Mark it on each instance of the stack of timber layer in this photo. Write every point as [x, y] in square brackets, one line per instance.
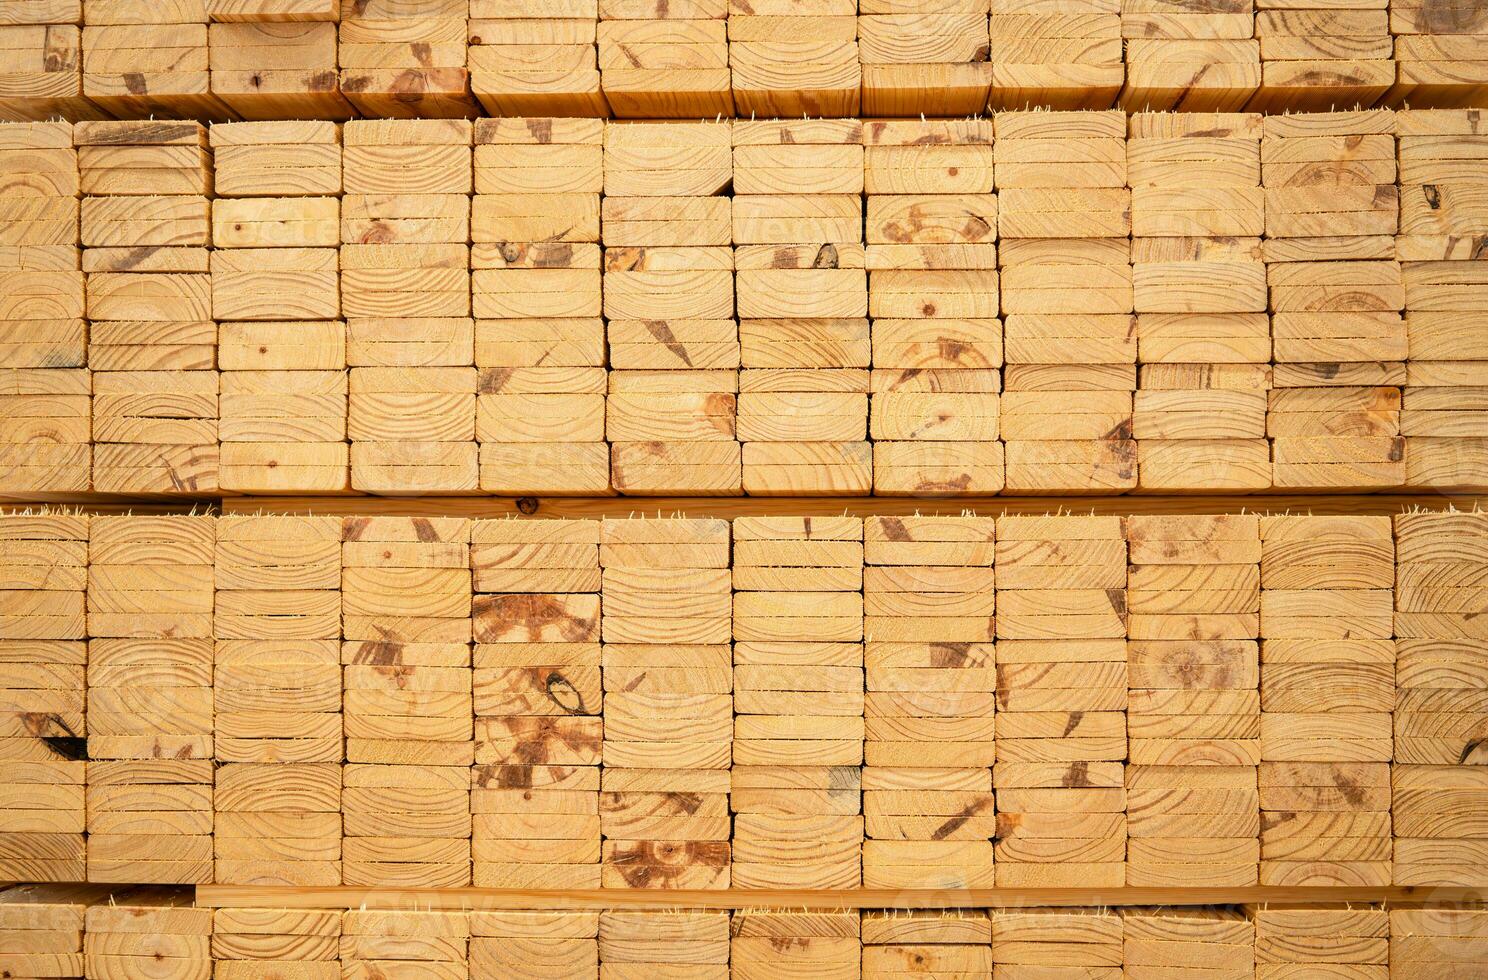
[519, 943]
[648, 59]
[405, 58]
[1327, 693]
[45, 385]
[1190, 57]
[147, 930]
[933, 296]
[1440, 776]
[537, 301]
[255, 942]
[1331, 940]
[281, 345]
[43, 660]
[799, 259]
[1443, 207]
[1194, 718]
[220, 333]
[1199, 291]
[789, 702]
[798, 627]
[276, 59]
[145, 230]
[667, 616]
[1322, 54]
[906, 943]
[376, 943]
[535, 57]
[151, 728]
[929, 602]
[924, 56]
[1064, 217]
[1037, 941]
[1061, 703]
[659, 59]
[405, 293]
[794, 57]
[1336, 300]
[277, 688]
[409, 723]
[669, 284]
[117, 934]
[1202, 943]
[146, 59]
[538, 704]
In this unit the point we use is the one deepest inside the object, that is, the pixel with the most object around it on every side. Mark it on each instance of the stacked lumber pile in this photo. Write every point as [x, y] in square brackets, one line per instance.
[405, 293]
[1064, 54]
[143, 59]
[277, 701]
[669, 278]
[518, 943]
[150, 699]
[537, 300]
[902, 943]
[202, 342]
[249, 943]
[147, 931]
[1443, 206]
[797, 215]
[812, 708]
[1333, 940]
[933, 295]
[930, 602]
[377, 943]
[1438, 942]
[44, 381]
[924, 56]
[1318, 55]
[409, 722]
[1339, 342]
[41, 929]
[1194, 718]
[276, 59]
[405, 58]
[1035, 942]
[1439, 776]
[798, 628]
[1439, 58]
[794, 57]
[666, 943]
[664, 60]
[776, 943]
[145, 229]
[1203, 943]
[535, 58]
[1061, 703]
[79, 930]
[43, 659]
[275, 283]
[1190, 57]
[667, 604]
[650, 59]
[1199, 290]
[538, 703]
[41, 62]
[1327, 693]
[1064, 217]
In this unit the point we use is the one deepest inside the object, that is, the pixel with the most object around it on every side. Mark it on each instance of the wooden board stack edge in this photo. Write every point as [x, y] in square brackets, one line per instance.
[332, 59]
